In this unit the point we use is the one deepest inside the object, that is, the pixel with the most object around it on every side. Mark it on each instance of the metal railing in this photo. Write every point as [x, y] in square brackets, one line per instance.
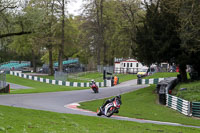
[126, 70]
[176, 103]
[196, 109]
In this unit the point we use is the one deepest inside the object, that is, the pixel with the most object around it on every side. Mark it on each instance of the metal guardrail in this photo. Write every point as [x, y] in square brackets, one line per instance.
[196, 109]
[56, 82]
[149, 81]
[164, 89]
[176, 103]
[126, 70]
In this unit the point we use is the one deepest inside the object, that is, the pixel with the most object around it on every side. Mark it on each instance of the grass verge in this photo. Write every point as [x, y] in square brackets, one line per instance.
[143, 104]
[126, 77]
[162, 75]
[98, 77]
[191, 94]
[19, 120]
[37, 87]
[81, 77]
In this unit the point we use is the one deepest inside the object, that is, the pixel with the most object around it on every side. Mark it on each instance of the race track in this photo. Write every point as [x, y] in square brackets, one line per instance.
[59, 101]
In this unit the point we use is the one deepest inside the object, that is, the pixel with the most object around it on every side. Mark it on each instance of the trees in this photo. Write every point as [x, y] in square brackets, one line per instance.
[189, 30]
[158, 39]
[12, 23]
[170, 33]
[132, 14]
[109, 28]
[7, 20]
[94, 17]
[61, 46]
[159, 31]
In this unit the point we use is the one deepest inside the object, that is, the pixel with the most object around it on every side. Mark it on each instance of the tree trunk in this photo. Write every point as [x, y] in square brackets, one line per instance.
[182, 71]
[101, 29]
[33, 61]
[98, 56]
[60, 60]
[98, 43]
[104, 54]
[50, 61]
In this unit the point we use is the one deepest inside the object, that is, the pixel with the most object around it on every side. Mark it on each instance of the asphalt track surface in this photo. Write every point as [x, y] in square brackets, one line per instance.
[62, 102]
[16, 86]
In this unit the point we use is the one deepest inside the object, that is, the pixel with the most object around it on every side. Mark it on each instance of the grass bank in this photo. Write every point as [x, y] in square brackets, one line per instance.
[126, 77]
[81, 77]
[143, 104]
[37, 87]
[19, 120]
[191, 94]
[162, 75]
[98, 77]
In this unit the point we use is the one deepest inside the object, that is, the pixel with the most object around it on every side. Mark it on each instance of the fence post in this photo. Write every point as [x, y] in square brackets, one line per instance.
[139, 81]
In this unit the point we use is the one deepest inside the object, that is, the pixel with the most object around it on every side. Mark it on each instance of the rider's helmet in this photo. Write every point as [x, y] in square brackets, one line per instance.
[93, 82]
[118, 97]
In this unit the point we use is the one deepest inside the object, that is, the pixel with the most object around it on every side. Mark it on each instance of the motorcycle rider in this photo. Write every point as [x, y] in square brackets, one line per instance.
[92, 82]
[94, 86]
[118, 98]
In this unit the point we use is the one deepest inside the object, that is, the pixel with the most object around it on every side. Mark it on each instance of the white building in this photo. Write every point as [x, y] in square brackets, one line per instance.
[128, 66]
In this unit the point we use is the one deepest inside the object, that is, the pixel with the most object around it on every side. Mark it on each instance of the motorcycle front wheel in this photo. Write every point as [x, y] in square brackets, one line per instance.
[99, 112]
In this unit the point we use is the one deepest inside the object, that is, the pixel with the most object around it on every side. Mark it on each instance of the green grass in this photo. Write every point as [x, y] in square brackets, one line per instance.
[98, 77]
[143, 104]
[126, 77]
[19, 120]
[86, 77]
[37, 87]
[191, 94]
[162, 75]
[81, 77]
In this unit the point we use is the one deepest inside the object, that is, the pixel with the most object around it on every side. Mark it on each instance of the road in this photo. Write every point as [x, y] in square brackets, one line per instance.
[55, 101]
[59, 101]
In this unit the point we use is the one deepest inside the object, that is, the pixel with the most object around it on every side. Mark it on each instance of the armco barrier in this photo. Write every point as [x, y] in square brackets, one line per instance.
[178, 104]
[6, 89]
[149, 81]
[56, 82]
[196, 109]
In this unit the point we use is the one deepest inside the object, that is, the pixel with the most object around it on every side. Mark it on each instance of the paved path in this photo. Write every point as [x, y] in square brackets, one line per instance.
[59, 101]
[16, 86]
[55, 101]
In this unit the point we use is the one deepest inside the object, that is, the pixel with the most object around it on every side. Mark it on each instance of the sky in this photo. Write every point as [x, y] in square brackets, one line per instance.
[74, 7]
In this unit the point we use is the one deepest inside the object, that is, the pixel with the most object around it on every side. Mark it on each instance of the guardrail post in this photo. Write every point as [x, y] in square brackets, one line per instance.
[139, 81]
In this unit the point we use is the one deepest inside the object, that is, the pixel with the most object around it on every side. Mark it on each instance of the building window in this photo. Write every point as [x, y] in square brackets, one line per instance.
[136, 64]
[131, 65]
[124, 64]
[127, 64]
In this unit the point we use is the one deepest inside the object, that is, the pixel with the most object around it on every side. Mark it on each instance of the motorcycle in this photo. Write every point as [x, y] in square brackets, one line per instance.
[109, 109]
[95, 88]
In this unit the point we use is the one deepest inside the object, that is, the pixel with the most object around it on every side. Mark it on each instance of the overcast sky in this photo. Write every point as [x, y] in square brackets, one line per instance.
[74, 6]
